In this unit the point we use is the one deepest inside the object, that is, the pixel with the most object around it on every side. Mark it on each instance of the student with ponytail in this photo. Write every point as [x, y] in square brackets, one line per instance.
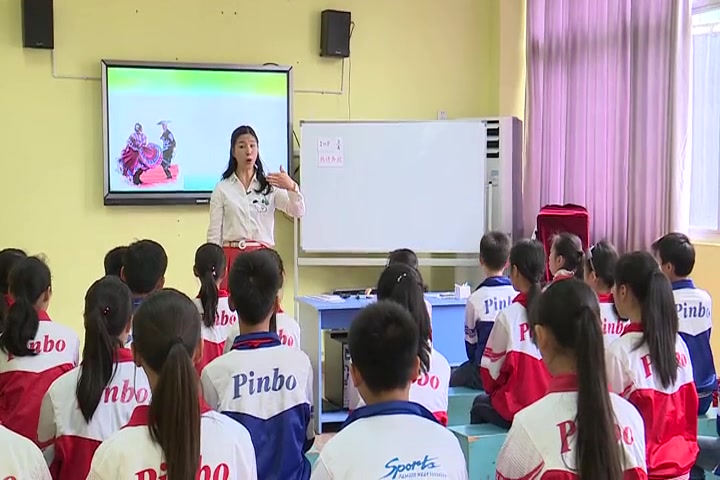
[650, 366]
[176, 437]
[91, 402]
[578, 430]
[34, 351]
[600, 261]
[511, 369]
[403, 285]
[566, 257]
[8, 258]
[212, 302]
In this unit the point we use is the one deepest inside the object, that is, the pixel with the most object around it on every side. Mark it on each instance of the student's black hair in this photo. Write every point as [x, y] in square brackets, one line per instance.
[383, 340]
[276, 256]
[569, 246]
[166, 335]
[528, 256]
[209, 268]
[144, 264]
[677, 250]
[602, 259]
[29, 280]
[405, 256]
[570, 311]
[9, 257]
[495, 250]
[108, 312]
[265, 187]
[255, 281]
[639, 272]
[403, 285]
[113, 261]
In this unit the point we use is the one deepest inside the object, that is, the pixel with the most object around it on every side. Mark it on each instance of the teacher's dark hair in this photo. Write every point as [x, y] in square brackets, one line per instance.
[107, 315]
[29, 281]
[265, 187]
[166, 331]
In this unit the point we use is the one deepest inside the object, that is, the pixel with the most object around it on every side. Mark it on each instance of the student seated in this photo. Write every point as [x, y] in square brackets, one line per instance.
[600, 262]
[287, 328]
[177, 436]
[402, 284]
[261, 383]
[113, 261]
[143, 269]
[21, 459]
[566, 257]
[512, 371]
[492, 295]
[391, 437]
[408, 257]
[34, 351]
[212, 302]
[88, 404]
[650, 366]
[676, 256]
[8, 258]
[708, 459]
[578, 430]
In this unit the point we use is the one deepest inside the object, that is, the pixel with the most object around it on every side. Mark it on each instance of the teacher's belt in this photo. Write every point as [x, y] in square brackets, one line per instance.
[243, 244]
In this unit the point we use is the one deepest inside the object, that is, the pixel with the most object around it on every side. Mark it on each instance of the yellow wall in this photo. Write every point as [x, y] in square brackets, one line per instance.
[705, 275]
[410, 58]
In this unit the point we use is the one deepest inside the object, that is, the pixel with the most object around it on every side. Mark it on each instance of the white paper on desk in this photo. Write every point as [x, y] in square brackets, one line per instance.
[330, 152]
[328, 298]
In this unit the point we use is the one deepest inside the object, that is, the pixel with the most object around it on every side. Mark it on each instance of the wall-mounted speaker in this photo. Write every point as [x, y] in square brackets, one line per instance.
[335, 34]
[37, 24]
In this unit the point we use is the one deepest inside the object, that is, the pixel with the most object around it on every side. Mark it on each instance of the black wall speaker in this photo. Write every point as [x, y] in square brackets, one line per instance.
[335, 34]
[37, 24]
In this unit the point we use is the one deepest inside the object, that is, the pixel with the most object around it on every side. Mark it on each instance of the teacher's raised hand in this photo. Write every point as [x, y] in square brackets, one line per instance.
[281, 180]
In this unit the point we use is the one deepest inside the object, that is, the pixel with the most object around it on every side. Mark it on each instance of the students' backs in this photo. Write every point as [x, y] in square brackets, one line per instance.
[542, 439]
[429, 390]
[694, 309]
[226, 451]
[491, 297]
[21, 459]
[288, 330]
[214, 337]
[612, 326]
[75, 440]
[267, 387]
[669, 414]
[25, 380]
[392, 440]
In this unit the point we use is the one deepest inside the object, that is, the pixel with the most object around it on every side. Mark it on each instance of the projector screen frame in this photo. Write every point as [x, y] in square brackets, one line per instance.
[177, 197]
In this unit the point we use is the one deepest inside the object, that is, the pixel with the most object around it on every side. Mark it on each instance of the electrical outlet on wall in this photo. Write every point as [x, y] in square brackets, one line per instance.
[442, 115]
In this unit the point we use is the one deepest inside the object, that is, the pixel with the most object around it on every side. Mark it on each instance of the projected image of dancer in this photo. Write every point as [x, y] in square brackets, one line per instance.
[168, 147]
[139, 156]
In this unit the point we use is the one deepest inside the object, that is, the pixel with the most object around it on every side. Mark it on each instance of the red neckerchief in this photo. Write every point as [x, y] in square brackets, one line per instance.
[606, 298]
[521, 298]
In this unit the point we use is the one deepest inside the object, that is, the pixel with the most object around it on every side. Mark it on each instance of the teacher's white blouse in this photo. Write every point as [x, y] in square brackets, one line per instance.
[238, 214]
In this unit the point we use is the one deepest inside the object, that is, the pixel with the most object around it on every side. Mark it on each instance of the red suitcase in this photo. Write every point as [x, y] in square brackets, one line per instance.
[554, 219]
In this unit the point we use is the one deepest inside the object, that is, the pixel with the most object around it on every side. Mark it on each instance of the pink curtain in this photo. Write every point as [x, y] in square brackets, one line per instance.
[607, 114]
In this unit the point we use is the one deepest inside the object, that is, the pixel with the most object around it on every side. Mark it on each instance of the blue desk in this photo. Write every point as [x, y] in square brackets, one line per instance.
[315, 315]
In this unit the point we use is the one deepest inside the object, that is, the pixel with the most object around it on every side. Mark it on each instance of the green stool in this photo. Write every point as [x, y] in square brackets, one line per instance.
[481, 445]
[460, 401]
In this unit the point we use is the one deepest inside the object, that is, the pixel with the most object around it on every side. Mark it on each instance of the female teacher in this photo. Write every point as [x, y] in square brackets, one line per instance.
[243, 203]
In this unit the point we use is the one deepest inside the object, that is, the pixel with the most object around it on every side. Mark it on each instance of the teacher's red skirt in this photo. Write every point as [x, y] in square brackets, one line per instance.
[232, 250]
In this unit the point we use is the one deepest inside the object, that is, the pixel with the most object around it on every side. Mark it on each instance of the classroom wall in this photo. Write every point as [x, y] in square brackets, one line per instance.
[410, 58]
[705, 275]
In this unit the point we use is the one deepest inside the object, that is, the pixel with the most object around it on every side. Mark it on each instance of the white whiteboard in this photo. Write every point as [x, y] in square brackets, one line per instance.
[418, 185]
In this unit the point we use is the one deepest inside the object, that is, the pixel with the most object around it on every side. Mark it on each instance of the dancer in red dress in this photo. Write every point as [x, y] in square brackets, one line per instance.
[139, 156]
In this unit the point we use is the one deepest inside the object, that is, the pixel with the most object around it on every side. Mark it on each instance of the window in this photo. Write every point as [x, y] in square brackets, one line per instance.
[705, 108]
